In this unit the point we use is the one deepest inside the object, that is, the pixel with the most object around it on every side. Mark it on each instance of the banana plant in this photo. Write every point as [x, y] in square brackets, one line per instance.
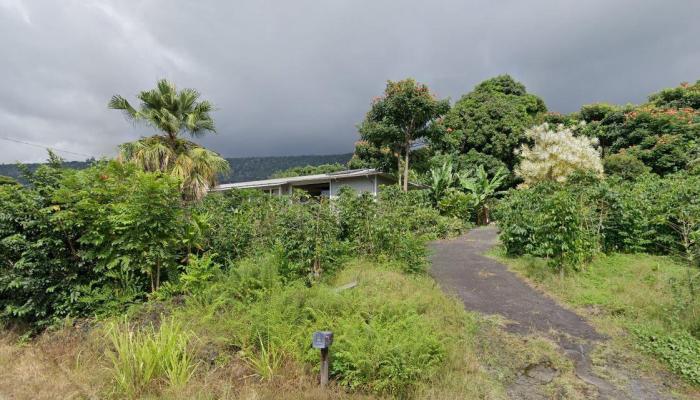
[441, 179]
[482, 189]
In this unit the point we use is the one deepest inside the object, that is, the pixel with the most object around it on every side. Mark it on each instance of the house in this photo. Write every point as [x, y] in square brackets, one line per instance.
[362, 180]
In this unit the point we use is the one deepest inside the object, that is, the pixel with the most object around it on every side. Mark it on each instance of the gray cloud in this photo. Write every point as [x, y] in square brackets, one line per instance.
[294, 77]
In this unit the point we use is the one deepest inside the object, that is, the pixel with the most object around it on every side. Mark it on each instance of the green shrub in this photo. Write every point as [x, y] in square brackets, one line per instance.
[659, 215]
[624, 165]
[387, 353]
[199, 272]
[457, 204]
[396, 226]
[252, 278]
[308, 236]
[548, 221]
[76, 243]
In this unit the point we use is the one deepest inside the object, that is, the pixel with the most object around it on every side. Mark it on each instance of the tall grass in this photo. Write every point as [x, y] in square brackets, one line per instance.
[140, 358]
[393, 332]
[266, 361]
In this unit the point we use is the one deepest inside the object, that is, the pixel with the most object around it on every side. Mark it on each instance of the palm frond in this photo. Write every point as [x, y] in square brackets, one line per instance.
[117, 102]
[169, 110]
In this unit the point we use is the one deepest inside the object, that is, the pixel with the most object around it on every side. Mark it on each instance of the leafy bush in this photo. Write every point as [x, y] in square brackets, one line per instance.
[491, 120]
[624, 165]
[548, 221]
[77, 242]
[307, 234]
[199, 272]
[386, 353]
[132, 222]
[684, 96]
[659, 215]
[457, 204]
[88, 242]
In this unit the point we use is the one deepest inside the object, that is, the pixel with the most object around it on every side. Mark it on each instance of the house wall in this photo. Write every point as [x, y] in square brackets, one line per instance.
[360, 184]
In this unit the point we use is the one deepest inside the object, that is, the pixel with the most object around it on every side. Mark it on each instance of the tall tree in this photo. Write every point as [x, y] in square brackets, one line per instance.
[489, 123]
[401, 116]
[173, 113]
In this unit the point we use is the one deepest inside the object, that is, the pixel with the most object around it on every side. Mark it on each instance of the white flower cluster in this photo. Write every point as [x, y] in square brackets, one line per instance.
[555, 154]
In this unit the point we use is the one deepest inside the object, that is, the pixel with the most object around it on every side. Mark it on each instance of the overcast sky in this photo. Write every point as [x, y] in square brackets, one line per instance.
[295, 77]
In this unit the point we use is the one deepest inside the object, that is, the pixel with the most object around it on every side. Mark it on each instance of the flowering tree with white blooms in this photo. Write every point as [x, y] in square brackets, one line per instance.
[555, 154]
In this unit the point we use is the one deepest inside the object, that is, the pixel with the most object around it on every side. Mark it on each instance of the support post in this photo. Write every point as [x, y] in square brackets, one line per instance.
[322, 340]
[324, 367]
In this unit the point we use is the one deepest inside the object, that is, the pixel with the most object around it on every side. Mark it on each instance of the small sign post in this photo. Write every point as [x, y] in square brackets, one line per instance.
[322, 340]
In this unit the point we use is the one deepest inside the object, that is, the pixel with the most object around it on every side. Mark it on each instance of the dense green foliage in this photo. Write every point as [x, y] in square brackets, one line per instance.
[79, 242]
[75, 241]
[402, 115]
[548, 222]
[309, 170]
[489, 123]
[683, 96]
[658, 215]
[315, 235]
[467, 195]
[625, 166]
[6, 180]
[392, 332]
[662, 133]
[569, 223]
[242, 169]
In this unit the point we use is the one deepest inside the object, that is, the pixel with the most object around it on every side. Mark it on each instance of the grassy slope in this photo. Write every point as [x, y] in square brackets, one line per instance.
[477, 360]
[619, 293]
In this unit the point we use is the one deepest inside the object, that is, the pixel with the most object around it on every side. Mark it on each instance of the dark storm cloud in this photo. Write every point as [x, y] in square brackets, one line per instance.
[294, 77]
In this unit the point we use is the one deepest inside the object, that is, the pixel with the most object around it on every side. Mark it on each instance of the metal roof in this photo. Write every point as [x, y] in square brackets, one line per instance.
[307, 179]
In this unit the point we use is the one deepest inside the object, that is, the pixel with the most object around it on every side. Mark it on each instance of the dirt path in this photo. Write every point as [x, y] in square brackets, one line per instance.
[487, 286]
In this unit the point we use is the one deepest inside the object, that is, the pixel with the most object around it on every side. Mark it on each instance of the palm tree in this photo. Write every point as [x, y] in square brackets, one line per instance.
[482, 189]
[173, 112]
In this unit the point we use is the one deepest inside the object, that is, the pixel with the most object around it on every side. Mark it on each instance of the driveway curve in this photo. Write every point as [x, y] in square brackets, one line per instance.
[487, 286]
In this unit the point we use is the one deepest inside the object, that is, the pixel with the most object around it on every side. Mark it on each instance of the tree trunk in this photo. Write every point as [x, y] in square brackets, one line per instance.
[405, 167]
[482, 217]
[157, 274]
[398, 168]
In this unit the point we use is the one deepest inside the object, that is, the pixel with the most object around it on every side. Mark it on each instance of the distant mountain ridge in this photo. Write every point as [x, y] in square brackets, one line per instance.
[242, 168]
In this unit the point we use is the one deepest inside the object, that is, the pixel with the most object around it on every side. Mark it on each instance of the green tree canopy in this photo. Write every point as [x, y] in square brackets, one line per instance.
[403, 114]
[173, 112]
[169, 110]
[490, 120]
[6, 180]
[683, 96]
[309, 170]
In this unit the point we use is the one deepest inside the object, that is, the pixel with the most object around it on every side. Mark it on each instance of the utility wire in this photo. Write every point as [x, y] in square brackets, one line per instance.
[45, 147]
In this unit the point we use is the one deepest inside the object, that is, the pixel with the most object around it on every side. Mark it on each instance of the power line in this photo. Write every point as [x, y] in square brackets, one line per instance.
[45, 147]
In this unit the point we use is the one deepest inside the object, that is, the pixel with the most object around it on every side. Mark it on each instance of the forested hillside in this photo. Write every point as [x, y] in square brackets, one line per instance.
[242, 168]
